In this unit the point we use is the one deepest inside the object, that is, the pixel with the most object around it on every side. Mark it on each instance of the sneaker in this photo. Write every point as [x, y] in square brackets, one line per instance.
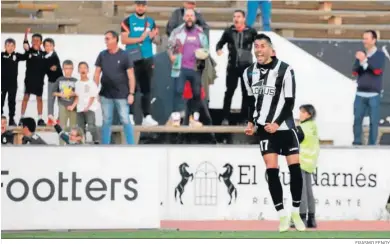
[284, 224]
[50, 122]
[304, 219]
[175, 119]
[298, 223]
[149, 121]
[11, 122]
[41, 122]
[195, 123]
[311, 221]
[131, 119]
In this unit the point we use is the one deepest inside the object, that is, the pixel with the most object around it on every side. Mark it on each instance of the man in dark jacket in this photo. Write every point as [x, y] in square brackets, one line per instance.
[177, 18]
[240, 39]
[368, 68]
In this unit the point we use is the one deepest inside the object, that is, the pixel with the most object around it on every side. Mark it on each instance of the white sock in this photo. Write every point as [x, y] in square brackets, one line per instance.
[175, 116]
[22, 116]
[295, 210]
[196, 116]
[39, 116]
[282, 213]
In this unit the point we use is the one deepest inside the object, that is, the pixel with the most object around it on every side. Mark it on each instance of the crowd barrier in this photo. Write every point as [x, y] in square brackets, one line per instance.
[123, 187]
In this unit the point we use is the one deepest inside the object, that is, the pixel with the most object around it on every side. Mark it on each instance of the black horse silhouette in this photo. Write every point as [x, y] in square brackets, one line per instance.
[185, 176]
[226, 179]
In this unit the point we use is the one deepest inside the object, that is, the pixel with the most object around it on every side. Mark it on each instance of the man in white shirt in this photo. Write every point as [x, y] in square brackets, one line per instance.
[86, 92]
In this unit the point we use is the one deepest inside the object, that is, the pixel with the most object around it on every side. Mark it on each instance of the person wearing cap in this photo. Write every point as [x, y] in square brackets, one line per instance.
[182, 45]
[177, 18]
[139, 32]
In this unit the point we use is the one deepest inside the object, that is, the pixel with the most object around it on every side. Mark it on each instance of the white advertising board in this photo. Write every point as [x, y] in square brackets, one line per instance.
[350, 184]
[80, 187]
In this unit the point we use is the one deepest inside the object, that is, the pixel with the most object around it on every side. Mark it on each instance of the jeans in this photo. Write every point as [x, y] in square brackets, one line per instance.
[361, 106]
[194, 77]
[122, 107]
[265, 7]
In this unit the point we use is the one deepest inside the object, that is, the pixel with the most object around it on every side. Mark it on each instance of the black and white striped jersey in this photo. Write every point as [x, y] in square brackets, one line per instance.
[272, 87]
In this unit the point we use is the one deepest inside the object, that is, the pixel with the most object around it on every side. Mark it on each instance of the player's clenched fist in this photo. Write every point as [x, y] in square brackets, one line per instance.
[250, 129]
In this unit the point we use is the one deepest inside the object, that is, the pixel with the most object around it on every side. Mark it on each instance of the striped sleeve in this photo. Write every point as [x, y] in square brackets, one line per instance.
[247, 79]
[289, 83]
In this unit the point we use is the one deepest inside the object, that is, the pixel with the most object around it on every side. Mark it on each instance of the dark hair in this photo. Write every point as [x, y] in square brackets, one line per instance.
[310, 110]
[3, 117]
[49, 40]
[29, 123]
[37, 35]
[373, 33]
[263, 37]
[67, 62]
[141, 2]
[114, 34]
[83, 62]
[10, 40]
[240, 11]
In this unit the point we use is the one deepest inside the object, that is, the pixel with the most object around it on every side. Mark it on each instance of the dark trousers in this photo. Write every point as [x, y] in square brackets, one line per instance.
[88, 118]
[11, 91]
[143, 71]
[363, 106]
[232, 76]
[195, 79]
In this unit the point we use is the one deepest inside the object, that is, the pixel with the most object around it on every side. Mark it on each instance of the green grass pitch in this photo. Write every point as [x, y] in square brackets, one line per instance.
[195, 234]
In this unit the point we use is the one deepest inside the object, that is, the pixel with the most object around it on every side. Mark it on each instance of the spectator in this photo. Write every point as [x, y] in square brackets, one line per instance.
[177, 18]
[28, 131]
[310, 148]
[118, 86]
[9, 77]
[75, 136]
[265, 6]
[183, 43]
[65, 91]
[240, 39]
[138, 33]
[7, 136]
[35, 74]
[86, 92]
[53, 71]
[368, 68]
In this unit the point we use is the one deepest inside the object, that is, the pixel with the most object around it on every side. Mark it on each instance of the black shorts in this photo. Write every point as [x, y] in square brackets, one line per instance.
[33, 87]
[282, 142]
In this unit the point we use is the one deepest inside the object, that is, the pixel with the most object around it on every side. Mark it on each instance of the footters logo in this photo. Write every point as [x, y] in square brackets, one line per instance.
[93, 189]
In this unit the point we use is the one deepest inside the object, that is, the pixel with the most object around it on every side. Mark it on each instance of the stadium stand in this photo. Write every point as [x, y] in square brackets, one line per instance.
[16, 16]
[306, 19]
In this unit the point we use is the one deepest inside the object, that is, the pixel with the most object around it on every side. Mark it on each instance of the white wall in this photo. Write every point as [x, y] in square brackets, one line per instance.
[331, 92]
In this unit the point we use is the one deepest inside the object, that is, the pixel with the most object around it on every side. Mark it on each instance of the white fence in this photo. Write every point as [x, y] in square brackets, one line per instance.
[123, 187]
